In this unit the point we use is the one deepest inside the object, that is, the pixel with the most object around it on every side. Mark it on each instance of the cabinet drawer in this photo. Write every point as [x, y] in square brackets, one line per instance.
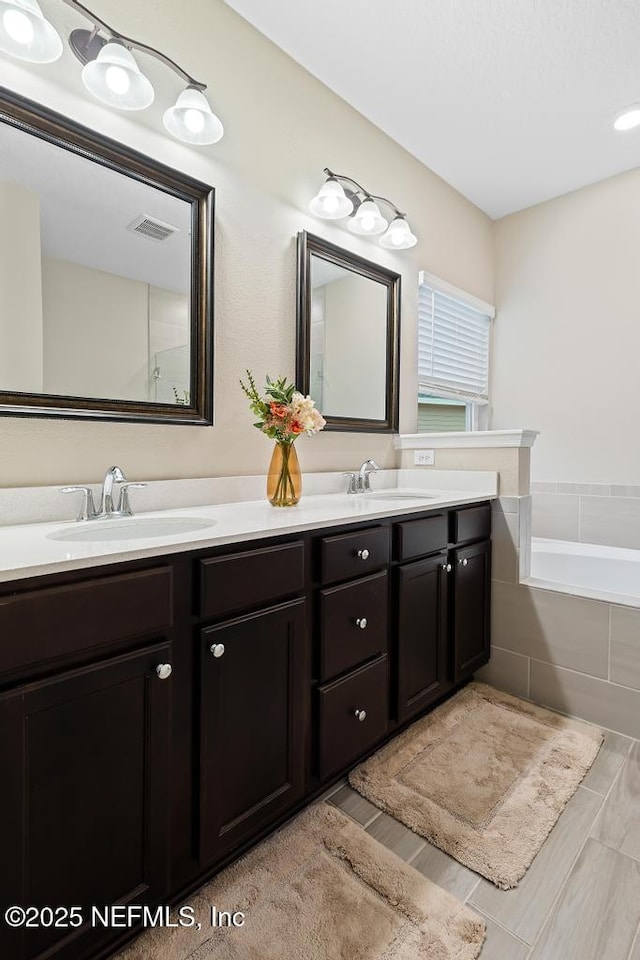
[354, 554]
[417, 538]
[353, 624]
[343, 736]
[472, 523]
[46, 624]
[245, 580]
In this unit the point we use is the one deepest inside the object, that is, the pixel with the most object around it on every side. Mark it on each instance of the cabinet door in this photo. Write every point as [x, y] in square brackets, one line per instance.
[253, 709]
[471, 604]
[422, 634]
[85, 761]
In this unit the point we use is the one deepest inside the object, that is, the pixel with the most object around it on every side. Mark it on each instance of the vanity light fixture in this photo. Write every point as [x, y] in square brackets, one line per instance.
[110, 71]
[25, 34]
[341, 197]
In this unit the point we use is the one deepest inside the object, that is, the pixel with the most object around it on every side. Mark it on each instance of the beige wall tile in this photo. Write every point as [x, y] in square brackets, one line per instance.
[595, 700]
[544, 486]
[614, 521]
[524, 536]
[558, 628]
[586, 489]
[625, 646]
[555, 516]
[506, 671]
[504, 551]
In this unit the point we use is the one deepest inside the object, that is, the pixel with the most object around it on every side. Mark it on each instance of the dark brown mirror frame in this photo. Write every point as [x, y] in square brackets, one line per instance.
[41, 122]
[308, 245]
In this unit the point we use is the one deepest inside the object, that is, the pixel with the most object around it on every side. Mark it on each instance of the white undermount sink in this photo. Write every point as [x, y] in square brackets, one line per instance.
[133, 528]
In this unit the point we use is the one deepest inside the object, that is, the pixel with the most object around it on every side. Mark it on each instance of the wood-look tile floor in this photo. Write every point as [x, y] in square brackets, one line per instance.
[579, 900]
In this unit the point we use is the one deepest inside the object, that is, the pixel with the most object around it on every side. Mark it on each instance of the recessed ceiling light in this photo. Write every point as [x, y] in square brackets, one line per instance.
[628, 118]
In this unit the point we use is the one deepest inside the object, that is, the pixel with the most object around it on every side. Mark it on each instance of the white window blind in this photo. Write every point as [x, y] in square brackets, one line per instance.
[453, 342]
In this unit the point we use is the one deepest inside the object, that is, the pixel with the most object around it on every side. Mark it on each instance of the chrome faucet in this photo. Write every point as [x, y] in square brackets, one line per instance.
[364, 475]
[360, 481]
[113, 475]
[107, 507]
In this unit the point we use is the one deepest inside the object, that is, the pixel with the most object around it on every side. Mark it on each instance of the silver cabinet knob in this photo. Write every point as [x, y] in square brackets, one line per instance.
[363, 554]
[463, 563]
[360, 715]
[164, 670]
[446, 567]
[217, 649]
[362, 623]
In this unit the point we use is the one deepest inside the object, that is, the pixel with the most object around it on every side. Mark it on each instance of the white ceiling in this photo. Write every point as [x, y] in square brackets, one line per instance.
[510, 101]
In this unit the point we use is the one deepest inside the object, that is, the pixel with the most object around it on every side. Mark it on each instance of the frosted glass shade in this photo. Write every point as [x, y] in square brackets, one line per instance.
[368, 221]
[192, 120]
[398, 236]
[115, 78]
[25, 34]
[330, 202]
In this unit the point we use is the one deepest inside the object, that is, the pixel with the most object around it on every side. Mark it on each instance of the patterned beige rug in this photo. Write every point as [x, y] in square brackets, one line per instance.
[322, 889]
[484, 777]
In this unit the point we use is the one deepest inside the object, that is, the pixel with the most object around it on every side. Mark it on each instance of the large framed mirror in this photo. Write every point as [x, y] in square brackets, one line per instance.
[106, 277]
[348, 336]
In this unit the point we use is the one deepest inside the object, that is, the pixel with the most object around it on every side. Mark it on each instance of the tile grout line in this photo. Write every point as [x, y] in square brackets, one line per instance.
[609, 645]
[487, 916]
[575, 860]
[590, 676]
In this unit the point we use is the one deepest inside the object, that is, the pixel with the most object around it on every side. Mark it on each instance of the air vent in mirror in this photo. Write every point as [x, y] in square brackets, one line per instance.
[152, 228]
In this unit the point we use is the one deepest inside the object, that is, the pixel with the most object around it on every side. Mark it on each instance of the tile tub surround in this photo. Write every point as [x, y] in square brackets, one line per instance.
[577, 655]
[28, 550]
[603, 513]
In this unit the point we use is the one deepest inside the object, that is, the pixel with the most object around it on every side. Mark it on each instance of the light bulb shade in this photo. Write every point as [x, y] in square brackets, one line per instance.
[627, 119]
[368, 221]
[115, 78]
[330, 202]
[25, 34]
[398, 236]
[192, 120]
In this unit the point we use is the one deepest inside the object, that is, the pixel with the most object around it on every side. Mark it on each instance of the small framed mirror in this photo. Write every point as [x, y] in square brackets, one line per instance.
[106, 286]
[348, 336]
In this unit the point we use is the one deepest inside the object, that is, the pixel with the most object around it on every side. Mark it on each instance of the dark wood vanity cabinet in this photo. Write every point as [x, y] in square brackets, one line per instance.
[252, 707]
[85, 798]
[422, 643]
[470, 608]
[441, 604]
[293, 658]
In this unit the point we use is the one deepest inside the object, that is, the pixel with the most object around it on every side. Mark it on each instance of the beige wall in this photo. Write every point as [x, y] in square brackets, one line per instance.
[282, 128]
[96, 332]
[566, 339]
[20, 301]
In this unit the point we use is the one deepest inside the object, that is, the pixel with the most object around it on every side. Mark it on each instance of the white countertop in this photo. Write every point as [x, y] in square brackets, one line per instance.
[26, 550]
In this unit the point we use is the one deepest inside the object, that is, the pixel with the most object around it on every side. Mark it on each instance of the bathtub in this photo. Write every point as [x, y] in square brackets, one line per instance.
[587, 570]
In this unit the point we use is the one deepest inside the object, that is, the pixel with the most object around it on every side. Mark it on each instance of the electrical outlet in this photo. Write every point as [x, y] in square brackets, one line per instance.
[424, 458]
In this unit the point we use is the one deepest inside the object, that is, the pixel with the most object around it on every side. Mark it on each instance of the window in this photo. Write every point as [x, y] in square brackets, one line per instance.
[453, 357]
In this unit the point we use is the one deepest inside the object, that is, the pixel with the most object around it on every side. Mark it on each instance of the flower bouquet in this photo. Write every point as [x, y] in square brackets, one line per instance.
[283, 414]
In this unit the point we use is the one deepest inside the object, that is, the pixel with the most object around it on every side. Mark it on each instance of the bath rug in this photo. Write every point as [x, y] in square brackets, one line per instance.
[484, 778]
[322, 889]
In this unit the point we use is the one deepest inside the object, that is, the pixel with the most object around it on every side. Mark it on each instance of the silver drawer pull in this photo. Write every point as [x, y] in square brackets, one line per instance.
[217, 649]
[463, 563]
[362, 623]
[164, 670]
[446, 567]
[360, 715]
[363, 554]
